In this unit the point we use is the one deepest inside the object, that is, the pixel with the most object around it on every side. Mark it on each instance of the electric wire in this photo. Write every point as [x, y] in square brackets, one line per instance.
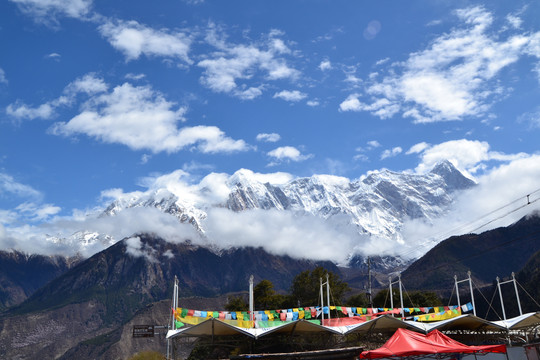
[459, 229]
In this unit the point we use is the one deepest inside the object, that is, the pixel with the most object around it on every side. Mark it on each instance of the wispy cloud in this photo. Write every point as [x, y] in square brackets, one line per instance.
[292, 96]
[453, 78]
[47, 11]
[88, 84]
[265, 137]
[391, 152]
[134, 39]
[8, 185]
[232, 67]
[287, 153]
[31, 209]
[3, 79]
[325, 65]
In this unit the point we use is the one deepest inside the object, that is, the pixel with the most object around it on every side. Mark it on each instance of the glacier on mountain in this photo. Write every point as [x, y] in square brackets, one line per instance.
[375, 205]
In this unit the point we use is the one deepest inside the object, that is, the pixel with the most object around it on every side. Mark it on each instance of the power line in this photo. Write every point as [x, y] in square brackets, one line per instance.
[462, 228]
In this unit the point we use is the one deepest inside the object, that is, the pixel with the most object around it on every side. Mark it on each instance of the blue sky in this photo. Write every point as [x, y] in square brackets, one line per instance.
[100, 95]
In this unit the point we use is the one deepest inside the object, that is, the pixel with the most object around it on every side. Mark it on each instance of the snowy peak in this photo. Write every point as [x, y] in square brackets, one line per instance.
[453, 178]
[376, 205]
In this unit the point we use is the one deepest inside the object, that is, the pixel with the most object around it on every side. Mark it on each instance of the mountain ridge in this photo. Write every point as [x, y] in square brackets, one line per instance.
[375, 205]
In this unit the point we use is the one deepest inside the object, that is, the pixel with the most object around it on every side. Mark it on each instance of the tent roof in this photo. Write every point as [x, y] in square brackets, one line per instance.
[519, 322]
[300, 326]
[409, 343]
[384, 323]
[465, 322]
[210, 327]
[218, 328]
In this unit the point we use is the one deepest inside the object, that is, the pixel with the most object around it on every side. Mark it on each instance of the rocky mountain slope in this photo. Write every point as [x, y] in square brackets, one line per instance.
[105, 291]
[497, 252]
[22, 274]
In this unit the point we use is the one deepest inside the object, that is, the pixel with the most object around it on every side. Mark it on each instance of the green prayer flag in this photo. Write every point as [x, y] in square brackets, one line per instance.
[178, 324]
[184, 312]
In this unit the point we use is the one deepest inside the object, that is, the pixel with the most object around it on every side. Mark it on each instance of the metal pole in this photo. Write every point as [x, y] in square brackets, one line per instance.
[457, 290]
[328, 294]
[390, 291]
[250, 300]
[322, 299]
[369, 282]
[517, 295]
[401, 298]
[501, 297]
[472, 292]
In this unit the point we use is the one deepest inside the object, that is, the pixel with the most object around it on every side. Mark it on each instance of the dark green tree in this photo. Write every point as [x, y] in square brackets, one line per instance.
[236, 303]
[358, 300]
[305, 288]
[265, 297]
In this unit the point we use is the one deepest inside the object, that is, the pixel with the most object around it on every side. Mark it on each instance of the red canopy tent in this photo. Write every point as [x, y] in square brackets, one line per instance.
[409, 343]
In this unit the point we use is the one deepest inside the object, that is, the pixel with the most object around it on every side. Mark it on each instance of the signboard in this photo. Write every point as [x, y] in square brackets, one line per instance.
[143, 331]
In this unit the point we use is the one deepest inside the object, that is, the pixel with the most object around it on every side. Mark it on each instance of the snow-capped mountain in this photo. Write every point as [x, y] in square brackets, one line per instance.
[377, 204]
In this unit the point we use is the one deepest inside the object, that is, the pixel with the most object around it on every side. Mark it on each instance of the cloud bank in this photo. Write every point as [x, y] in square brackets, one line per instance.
[502, 187]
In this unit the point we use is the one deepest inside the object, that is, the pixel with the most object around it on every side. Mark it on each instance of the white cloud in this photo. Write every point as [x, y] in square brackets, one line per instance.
[88, 84]
[454, 77]
[249, 93]
[143, 119]
[232, 64]
[467, 155]
[325, 65]
[351, 103]
[287, 153]
[24, 112]
[31, 209]
[293, 96]
[418, 148]
[291, 234]
[312, 103]
[514, 21]
[53, 56]
[131, 76]
[48, 10]
[134, 39]
[373, 144]
[37, 212]
[532, 118]
[3, 79]
[391, 152]
[381, 107]
[11, 186]
[271, 137]
[42, 239]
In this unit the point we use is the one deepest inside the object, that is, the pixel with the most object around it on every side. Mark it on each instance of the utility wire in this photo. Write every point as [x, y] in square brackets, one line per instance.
[461, 228]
